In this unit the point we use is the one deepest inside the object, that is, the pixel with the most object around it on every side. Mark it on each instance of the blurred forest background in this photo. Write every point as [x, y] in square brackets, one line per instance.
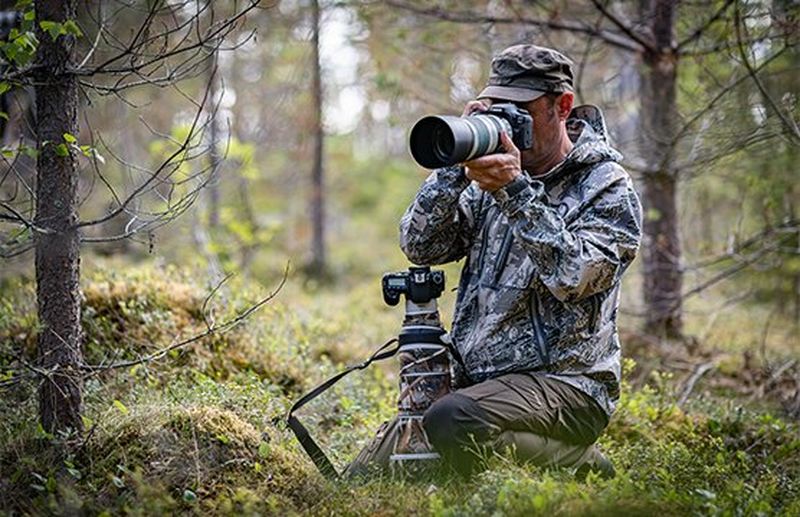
[213, 189]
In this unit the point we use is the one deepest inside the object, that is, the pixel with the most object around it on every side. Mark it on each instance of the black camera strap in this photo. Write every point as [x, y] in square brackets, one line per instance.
[309, 445]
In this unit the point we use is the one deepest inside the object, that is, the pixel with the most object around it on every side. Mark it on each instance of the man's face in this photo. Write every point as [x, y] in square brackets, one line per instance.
[547, 127]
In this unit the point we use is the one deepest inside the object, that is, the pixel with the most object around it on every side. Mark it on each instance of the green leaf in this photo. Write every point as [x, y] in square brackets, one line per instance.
[30, 152]
[117, 482]
[705, 494]
[11, 50]
[7, 153]
[62, 150]
[4, 87]
[263, 449]
[119, 405]
[69, 138]
[29, 16]
[54, 29]
[652, 214]
[189, 496]
[4, 115]
[41, 433]
[74, 473]
[87, 422]
[70, 27]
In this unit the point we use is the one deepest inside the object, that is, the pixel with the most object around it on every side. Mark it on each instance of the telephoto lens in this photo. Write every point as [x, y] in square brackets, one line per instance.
[443, 140]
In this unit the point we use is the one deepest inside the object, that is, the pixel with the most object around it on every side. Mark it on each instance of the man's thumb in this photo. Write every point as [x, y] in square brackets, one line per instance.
[508, 144]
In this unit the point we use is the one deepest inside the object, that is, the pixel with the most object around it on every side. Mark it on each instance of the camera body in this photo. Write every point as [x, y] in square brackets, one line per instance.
[442, 140]
[419, 285]
[519, 119]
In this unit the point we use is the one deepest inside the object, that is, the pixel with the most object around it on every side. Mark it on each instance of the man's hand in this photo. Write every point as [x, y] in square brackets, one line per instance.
[476, 106]
[493, 171]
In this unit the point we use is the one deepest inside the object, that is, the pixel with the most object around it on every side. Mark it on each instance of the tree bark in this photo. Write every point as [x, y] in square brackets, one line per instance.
[317, 200]
[663, 278]
[213, 155]
[58, 246]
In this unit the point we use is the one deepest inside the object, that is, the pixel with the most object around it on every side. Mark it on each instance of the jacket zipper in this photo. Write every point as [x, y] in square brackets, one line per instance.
[486, 225]
[533, 313]
[503, 256]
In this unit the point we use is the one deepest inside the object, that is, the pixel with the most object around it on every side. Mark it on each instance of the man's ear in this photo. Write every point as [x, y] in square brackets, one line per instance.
[564, 105]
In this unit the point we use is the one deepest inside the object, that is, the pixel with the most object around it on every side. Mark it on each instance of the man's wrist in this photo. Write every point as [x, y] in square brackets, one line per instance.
[517, 193]
[453, 176]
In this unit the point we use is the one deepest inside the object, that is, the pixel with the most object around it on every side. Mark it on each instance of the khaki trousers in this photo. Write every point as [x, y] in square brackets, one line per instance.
[541, 420]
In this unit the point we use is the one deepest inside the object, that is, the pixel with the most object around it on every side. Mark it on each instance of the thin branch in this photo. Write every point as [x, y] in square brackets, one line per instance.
[698, 33]
[473, 18]
[697, 374]
[222, 327]
[791, 125]
[183, 147]
[646, 45]
[786, 227]
[24, 220]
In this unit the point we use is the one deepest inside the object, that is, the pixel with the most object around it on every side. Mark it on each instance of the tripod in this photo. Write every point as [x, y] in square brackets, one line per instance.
[423, 347]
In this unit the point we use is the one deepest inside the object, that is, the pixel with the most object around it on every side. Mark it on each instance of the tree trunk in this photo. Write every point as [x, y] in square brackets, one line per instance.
[663, 278]
[58, 245]
[213, 133]
[317, 201]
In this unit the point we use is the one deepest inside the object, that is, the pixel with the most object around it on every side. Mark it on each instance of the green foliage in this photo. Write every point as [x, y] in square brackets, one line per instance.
[56, 29]
[201, 431]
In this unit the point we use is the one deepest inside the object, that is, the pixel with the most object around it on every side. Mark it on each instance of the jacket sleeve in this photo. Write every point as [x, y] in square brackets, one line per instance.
[590, 254]
[438, 226]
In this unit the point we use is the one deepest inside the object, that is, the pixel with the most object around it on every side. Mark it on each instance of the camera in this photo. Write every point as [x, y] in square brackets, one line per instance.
[419, 284]
[443, 140]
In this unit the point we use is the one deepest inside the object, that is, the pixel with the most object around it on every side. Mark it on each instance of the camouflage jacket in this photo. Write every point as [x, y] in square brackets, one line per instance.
[539, 290]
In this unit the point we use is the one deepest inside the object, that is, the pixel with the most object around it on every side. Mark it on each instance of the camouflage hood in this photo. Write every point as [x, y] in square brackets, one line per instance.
[539, 289]
[586, 128]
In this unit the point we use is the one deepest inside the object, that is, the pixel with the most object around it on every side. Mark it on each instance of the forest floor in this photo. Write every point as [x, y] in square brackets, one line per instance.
[709, 428]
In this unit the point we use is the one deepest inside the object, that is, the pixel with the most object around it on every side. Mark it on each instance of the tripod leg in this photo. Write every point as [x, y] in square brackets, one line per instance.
[375, 456]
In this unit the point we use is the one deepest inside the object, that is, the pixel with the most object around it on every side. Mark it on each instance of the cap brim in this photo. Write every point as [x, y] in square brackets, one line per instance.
[510, 93]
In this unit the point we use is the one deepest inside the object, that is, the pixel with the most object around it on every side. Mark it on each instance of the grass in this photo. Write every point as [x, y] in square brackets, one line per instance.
[201, 431]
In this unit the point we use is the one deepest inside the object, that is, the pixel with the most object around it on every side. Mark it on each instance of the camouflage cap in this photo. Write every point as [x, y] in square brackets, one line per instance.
[522, 73]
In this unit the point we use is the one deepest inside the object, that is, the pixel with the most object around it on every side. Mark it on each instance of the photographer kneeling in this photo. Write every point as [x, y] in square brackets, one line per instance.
[547, 233]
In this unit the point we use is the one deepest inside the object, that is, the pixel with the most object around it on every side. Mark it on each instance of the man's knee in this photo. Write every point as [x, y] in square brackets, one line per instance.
[455, 419]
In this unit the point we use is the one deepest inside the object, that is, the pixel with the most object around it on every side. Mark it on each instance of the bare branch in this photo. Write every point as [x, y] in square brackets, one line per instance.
[472, 18]
[791, 125]
[697, 374]
[222, 327]
[138, 190]
[17, 216]
[698, 33]
[644, 43]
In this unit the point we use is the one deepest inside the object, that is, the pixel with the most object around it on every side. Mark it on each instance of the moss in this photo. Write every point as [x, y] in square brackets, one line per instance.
[200, 431]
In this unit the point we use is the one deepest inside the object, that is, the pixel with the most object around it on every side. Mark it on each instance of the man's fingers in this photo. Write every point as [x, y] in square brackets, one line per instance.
[474, 106]
[508, 144]
[488, 161]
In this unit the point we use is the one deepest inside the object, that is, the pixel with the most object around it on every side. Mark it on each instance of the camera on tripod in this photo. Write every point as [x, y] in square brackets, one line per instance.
[419, 284]
[424, 377]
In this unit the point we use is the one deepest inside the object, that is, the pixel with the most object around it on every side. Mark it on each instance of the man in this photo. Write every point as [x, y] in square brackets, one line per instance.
[547, 233]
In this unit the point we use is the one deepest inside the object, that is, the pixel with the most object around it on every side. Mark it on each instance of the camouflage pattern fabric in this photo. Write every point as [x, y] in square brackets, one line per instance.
[539, 290]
